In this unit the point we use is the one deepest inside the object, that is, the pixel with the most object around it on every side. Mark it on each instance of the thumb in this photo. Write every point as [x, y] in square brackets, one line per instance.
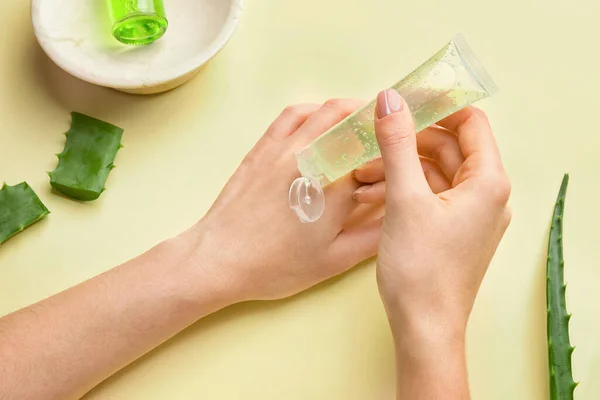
[395, 131]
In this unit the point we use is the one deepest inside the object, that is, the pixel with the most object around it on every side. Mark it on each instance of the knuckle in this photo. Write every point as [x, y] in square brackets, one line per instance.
[292, 111]
[504, 189]
[479, 115]
[396, 140]
[440, 151]
[265, 151]
[342, 106]
[397, 136]
[335, 104]
[507, 217]
[248, 160]
[472, 116]
[499, 188]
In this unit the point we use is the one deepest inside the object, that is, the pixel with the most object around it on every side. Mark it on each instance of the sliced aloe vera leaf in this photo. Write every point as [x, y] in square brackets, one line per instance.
[20, 207]
[87, 159]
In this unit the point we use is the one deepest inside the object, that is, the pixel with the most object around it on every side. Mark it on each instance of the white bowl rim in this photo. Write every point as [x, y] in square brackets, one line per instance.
[225, 33]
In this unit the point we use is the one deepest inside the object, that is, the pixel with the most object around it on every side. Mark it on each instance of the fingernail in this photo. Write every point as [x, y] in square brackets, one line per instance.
[388, 102]
[360, 190]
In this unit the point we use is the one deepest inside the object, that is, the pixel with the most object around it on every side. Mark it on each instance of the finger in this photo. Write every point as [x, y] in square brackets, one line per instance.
[371, 194]
[329, 114]
[442, 146]
[356, 244]
[375, 193]
[475, 137]
[371, 172]
[437, 180]
[290, 119]
[395, 131]
[338, 199]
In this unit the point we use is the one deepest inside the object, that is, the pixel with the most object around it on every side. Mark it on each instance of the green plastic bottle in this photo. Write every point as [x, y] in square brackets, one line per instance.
[137, 22]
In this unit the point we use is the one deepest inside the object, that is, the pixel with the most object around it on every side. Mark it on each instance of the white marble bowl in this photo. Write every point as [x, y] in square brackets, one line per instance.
[76, 35]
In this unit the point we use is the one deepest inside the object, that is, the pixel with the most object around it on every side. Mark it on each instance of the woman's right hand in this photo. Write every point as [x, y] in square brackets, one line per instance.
[445, 214]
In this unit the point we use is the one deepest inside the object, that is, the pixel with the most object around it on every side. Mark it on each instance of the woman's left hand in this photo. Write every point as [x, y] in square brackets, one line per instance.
[255, 245]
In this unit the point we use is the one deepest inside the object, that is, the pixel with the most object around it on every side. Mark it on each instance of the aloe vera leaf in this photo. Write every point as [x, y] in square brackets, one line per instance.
[87, 158]
[562, 385]
[20, 207]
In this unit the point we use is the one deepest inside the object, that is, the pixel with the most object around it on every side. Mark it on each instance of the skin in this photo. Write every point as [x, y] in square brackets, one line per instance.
[92, 330]
[444, 219]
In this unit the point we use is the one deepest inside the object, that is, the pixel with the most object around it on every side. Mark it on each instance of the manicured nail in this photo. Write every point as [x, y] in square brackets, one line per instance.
[388, 102]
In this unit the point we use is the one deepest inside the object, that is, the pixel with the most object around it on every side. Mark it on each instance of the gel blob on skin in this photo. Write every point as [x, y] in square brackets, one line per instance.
[448, 81]
[137, 22]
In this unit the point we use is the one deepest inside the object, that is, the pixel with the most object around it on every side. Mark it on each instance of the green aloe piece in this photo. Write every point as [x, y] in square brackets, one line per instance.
[87, 159]
[20, 207]
[562, 385]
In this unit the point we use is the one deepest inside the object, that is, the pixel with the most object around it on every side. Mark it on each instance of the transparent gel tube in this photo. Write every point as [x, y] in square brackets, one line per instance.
[450, 80]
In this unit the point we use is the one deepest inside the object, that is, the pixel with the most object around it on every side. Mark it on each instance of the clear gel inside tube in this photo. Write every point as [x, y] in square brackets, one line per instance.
[450, 80]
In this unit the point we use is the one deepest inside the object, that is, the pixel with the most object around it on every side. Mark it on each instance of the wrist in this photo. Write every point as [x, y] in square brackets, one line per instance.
[430, 361]
[424, 334]
[207, 267]
[426, 327]
[427, 312]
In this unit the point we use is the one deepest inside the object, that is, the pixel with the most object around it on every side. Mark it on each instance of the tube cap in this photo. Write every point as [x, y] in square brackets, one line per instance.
[307, 199]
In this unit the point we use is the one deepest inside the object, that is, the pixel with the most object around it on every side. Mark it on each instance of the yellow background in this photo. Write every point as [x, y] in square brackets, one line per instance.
[180, 147]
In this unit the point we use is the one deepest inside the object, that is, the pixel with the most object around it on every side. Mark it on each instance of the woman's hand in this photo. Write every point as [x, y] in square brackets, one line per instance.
[446, 196]
[249, 246]
[261, 248]
[445, 214]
